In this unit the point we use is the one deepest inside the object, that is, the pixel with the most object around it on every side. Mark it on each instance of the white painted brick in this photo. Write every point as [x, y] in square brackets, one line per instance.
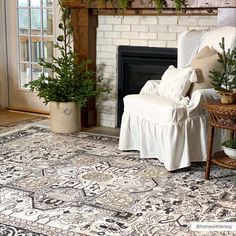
[129, 35]
[155, 43]
[113, 20]
[167, 36]
[106, 116]
[172, 44]
[148, 20]
[108, 48]
[100, 34]
[109, 103]
[167, 20]
[158, 28]
[184, 20]
[112, 35]
[105, 27]
[147, 35]
[106, 55]
[109, 62]
[98, 48]
[121, 27]
[105, 109]
[131, 20]
[177, 28]
[108, 69]
[139, 28]
[105, 123]
[117, 42]
[212, 27]
[136, 42]
[101, 20]
[198, 27]
[207, 22]
[103, 41]
[109, 75]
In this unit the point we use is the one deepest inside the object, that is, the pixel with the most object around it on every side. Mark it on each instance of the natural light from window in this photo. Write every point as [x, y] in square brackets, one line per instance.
[35, 37]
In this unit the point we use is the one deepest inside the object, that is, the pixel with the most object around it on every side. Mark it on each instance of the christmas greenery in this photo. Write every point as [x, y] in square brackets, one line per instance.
[71, 81]
[231, 143]
[224, 79]
[160, 4]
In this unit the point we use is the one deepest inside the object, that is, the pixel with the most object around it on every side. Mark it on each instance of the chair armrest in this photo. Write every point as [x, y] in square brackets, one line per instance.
[199, 97]
[150, 87]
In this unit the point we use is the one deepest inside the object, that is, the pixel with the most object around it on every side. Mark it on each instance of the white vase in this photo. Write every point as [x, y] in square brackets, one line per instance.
[65, 117]
[230, 152]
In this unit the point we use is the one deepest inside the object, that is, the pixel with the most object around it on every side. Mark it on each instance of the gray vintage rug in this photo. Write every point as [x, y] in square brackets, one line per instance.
[81, 184]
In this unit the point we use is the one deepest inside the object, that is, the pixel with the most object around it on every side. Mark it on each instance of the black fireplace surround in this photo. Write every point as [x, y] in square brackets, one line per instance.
[136, 65]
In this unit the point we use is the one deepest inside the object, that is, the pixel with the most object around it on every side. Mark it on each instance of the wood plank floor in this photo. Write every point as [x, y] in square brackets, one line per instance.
[19, 118]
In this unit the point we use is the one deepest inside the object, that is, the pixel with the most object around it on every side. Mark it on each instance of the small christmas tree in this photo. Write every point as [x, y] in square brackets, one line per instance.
[224, 79]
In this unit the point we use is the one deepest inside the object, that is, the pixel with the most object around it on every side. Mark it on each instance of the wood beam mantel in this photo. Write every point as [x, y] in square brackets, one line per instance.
[148, 4]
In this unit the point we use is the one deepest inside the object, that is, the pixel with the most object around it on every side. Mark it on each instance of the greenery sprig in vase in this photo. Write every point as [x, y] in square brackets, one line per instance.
[229, 148]
[224, 78]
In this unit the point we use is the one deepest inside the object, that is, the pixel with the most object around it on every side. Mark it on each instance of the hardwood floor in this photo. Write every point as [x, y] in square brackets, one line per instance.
[21, 118]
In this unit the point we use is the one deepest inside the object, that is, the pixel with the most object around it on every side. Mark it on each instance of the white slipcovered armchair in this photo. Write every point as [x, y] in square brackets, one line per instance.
[173, 131]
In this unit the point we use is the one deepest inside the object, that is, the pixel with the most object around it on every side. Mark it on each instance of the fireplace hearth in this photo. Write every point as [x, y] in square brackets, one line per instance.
[136, 65]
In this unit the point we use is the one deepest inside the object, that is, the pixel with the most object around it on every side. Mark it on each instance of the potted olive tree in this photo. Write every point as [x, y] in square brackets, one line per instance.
[70, 83]
[224, 78]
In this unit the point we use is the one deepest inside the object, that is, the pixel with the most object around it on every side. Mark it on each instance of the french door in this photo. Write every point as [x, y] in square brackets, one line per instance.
[30, 36]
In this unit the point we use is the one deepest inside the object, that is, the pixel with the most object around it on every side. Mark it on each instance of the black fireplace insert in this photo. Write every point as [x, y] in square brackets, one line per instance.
[136, 65]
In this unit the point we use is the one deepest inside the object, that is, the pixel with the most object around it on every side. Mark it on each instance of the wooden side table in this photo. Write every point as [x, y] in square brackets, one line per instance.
[221, 116]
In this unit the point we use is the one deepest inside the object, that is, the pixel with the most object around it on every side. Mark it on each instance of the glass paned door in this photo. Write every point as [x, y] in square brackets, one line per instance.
[30, 27]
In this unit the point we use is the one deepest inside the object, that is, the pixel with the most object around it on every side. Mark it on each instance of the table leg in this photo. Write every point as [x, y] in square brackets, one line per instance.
[232, 134]
[209, 153]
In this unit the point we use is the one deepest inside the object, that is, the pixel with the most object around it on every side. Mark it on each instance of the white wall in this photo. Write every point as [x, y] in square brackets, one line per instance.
[151, 31]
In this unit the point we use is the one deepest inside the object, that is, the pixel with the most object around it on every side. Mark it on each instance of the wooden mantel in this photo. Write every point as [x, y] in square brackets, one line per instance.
[148, 4]
[85, 22]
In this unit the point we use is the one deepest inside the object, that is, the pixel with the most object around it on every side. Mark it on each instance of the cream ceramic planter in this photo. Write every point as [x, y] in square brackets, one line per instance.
[230, 152]
[65, 117]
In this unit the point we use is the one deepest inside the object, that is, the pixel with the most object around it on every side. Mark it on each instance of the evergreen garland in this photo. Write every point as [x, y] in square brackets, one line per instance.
[160, 4]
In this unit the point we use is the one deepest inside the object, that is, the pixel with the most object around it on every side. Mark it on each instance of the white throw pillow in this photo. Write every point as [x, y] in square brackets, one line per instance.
[175, 83]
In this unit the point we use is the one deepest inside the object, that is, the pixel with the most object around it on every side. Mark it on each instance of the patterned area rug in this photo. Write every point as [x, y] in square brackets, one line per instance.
[82, 184]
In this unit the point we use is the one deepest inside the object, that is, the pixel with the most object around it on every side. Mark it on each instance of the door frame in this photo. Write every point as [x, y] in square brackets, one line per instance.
[4, 90]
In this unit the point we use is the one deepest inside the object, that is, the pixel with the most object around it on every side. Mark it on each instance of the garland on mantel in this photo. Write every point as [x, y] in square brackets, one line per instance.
[159, 4]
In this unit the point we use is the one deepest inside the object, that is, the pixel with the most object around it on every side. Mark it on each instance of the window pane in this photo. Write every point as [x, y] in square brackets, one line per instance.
[35, 21]
[47, 22]
[36, 71]
[23, 3]
[25, 74]
[35, 3]
[24, 48]
[35, 37]
[36, 53]
[47, 3]
[48, 72]
[48, 50]
[23, 19]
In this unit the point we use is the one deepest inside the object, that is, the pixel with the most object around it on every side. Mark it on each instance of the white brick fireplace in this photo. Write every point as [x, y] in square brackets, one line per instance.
[150, 31]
